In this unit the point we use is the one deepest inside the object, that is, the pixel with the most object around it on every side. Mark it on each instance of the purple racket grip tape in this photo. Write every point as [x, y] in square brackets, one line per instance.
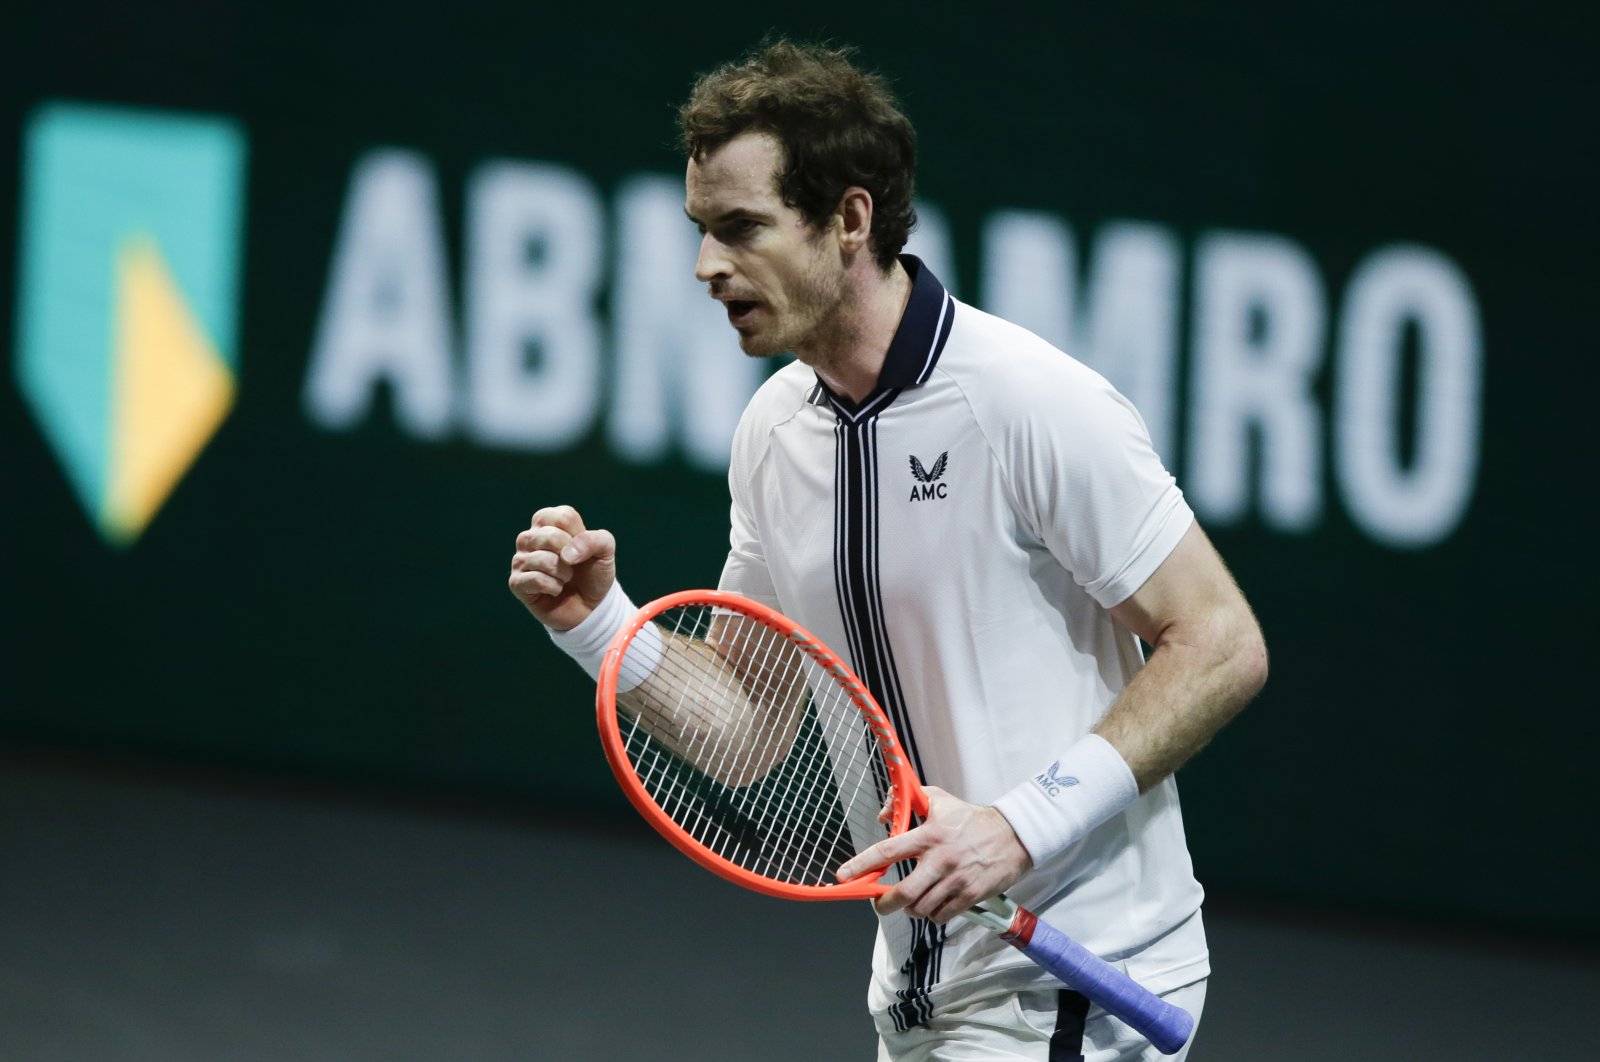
[1166, 1026]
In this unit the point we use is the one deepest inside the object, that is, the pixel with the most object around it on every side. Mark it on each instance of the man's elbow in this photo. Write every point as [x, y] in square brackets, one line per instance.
[1250, 658]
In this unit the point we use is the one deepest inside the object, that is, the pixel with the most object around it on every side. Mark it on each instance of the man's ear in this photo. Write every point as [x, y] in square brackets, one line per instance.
[854, 214]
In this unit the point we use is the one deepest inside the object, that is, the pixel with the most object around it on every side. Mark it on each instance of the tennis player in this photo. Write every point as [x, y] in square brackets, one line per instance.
[979, 521]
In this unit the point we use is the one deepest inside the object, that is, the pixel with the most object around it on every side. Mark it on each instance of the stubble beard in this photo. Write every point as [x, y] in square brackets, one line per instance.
[811, 328]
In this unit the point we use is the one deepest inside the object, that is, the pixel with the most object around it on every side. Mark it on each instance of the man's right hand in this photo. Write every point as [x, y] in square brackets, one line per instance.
[562, 570]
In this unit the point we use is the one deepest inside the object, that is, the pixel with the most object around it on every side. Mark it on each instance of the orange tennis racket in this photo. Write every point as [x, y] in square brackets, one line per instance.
[756, 751]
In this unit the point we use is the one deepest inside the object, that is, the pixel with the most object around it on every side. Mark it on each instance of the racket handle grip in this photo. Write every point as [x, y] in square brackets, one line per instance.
[1164, 1025]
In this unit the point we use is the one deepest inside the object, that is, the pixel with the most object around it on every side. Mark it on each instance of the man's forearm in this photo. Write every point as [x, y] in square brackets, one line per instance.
[1197, 678]
[714, 710]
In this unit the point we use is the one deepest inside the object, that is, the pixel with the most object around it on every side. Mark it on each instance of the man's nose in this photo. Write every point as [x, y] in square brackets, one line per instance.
[713, 260]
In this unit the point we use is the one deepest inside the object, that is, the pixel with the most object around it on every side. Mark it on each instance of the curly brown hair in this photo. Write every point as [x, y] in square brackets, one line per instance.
[839, 127]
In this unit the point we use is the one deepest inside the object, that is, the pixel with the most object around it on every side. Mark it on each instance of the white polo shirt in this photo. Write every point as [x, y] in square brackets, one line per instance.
[959, 537]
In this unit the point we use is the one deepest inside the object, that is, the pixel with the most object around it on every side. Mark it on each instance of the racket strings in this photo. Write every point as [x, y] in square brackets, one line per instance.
[782, 811]
[753, 748]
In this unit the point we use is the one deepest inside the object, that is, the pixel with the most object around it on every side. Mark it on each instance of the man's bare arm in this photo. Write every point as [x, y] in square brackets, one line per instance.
[1208, 660]
[726, 705]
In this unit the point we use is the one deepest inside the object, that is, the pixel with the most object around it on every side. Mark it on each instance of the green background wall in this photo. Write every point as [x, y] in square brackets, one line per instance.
[331, 601]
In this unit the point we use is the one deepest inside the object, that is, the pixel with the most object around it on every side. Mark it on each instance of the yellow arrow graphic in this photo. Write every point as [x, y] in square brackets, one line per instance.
[172, 389]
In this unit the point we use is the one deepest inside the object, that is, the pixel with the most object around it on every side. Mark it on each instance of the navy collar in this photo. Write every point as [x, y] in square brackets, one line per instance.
[915, 349]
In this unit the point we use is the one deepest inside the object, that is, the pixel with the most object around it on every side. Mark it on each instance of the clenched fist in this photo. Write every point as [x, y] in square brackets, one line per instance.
[561, 569]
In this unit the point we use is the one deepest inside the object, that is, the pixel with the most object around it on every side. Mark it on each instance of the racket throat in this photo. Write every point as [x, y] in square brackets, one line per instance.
[1001, 914]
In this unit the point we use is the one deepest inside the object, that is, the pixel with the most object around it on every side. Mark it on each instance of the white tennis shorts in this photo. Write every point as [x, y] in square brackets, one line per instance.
[1037, 1026]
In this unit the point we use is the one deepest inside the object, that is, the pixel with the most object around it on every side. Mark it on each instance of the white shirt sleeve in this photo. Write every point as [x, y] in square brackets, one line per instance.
[745, 571]
[1102, 502]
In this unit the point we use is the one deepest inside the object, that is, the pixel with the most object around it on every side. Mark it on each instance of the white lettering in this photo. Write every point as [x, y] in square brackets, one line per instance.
[386, 314]
[1259, 319]
[1405, 460]
[1393, 288]
[535, 236]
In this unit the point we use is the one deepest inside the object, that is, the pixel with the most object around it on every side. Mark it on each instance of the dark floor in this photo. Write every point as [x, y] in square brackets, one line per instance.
[150, 918]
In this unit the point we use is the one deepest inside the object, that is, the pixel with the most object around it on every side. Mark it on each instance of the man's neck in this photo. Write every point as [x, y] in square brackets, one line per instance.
[850, 359]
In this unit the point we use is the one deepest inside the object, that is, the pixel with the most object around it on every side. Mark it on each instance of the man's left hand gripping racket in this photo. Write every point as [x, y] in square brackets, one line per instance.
[755, 750]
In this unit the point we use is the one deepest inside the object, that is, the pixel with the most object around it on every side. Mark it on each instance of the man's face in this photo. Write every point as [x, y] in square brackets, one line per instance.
[779, 278]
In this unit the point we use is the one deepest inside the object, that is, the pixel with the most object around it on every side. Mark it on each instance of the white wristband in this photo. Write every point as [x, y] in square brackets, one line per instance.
[588, 641]
[1056, 808]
